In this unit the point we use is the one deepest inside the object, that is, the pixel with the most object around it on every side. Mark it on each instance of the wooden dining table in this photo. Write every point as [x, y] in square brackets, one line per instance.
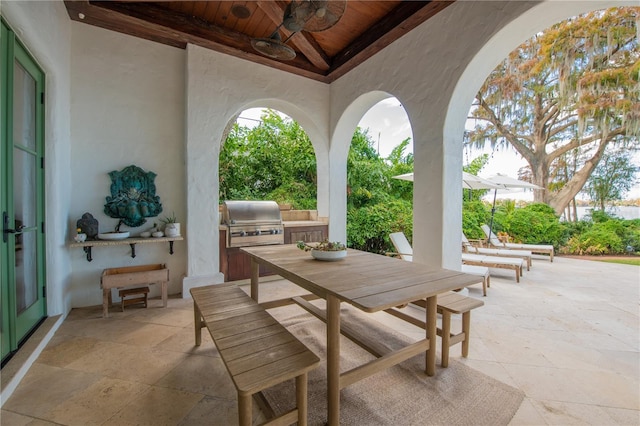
[369, 282]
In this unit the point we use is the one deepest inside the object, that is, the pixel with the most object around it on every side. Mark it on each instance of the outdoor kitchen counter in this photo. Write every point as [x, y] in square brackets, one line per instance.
[290, 224]
[309, 231]
[299, 223]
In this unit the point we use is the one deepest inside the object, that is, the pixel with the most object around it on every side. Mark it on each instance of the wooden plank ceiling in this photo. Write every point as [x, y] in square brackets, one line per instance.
[363, 29]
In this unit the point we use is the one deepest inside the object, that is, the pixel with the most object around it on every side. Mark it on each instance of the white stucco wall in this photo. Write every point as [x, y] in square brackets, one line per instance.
[127, 108]
[45, 29]
[218, 88]
[421, 69]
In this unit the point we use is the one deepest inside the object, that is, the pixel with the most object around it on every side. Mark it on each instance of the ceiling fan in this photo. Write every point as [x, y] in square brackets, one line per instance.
[303, 15]
[313, 15]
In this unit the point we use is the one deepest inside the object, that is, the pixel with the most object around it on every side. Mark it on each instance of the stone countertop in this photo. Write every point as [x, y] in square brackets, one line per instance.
[290, 224]
[299, 223]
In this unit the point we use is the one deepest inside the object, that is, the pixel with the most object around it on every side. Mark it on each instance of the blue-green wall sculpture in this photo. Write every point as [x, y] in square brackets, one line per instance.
[133, 196]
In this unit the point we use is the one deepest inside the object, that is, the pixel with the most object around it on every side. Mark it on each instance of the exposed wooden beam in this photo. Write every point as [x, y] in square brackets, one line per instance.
[405, 17]
[305, 43]
[161, 25]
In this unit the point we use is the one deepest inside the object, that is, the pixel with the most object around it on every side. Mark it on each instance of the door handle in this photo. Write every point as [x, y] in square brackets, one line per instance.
[18, 230]
[6, 230]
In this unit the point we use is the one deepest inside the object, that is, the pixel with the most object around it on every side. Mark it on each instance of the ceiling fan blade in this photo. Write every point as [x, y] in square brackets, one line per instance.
[273, 48]
[326, 13]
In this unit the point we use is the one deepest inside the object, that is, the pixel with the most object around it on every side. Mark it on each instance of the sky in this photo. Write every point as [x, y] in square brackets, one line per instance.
[389, 125]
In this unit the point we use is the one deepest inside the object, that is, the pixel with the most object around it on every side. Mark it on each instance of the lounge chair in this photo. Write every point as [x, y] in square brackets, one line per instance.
[405, 252]
[469, 248]
[534, 248]
[514, 263]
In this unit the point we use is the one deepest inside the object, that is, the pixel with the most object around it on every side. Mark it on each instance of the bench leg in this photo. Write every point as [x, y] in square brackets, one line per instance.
[106, 293]
[163, 290]
[301, 399]
[446, 336]
[518, 273]
[466, 325]
[245, 412]
[197, 320]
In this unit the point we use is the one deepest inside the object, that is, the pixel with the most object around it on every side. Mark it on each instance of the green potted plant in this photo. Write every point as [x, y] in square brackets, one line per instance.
[171, 226]
[325, 250]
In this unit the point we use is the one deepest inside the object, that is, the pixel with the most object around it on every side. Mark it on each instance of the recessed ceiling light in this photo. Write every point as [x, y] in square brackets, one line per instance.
[81, 15]
[240, 11]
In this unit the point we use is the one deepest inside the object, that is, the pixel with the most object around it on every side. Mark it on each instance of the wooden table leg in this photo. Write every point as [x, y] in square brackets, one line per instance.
[432, 305]
[255, 277]
[333, 360]
[197, 324]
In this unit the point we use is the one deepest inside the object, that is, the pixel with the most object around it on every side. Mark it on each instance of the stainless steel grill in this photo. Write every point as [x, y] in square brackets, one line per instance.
[252, 223]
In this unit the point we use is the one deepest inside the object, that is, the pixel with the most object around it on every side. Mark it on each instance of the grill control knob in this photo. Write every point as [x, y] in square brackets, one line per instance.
[273, 231]
[243, 233]
[258, 232]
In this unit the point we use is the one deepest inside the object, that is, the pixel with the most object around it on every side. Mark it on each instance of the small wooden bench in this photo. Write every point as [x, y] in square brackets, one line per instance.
[453, 303]
[140, 292]
[129, 276]
[257, 351]
[448, 303]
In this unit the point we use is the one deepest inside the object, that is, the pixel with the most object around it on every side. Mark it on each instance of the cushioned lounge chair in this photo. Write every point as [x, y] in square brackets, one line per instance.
[405, 252]
[489, 251]
[534, 248]
[514, 263]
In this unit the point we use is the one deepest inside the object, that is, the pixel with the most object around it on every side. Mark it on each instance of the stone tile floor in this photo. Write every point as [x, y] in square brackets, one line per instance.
[568, 336]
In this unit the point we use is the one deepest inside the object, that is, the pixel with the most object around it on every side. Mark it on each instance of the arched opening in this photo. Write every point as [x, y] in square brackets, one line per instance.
[538, 168]
[377, 203]
[266, 155]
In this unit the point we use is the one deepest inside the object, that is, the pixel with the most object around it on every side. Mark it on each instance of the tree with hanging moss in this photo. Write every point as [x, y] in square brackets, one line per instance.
[572, 90]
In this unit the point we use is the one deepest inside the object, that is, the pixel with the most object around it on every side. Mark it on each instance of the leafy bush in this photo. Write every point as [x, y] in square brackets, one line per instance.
[607, 236]
[368, 228]
[535, 224]
[597, 240]
[474, 215]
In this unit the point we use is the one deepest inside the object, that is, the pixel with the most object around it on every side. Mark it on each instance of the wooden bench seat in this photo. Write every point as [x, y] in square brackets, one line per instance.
[453, 303]
[448, 303]
[257, 351]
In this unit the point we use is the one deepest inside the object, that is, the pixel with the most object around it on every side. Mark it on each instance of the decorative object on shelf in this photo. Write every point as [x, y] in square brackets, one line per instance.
[158, 234]
[80, 237]
[113, 235]
[88, 225]
[325, 250]
[133, 196]
[145, 234]
[171, 226]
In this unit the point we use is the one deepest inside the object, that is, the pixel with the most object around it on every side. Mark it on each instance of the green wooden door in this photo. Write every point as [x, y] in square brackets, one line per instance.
[22, 250]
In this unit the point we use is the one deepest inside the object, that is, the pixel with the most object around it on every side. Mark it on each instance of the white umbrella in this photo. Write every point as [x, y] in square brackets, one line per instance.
[508, 183]
[406, 176]
[469, 181]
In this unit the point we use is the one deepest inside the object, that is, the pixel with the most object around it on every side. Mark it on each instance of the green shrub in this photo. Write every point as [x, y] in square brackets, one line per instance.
[599, 239]
[368, 228]
[535, 224]
[474, 214]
